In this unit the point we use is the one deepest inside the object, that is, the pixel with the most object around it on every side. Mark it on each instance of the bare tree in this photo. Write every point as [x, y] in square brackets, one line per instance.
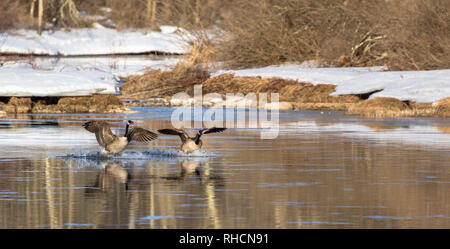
[40, 15]
[33, 3]
[151, 12]
[72, 11]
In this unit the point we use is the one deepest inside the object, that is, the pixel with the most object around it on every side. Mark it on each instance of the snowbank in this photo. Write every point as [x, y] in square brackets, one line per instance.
[305, 74]
[94, 41]
[22, 80]
[421, 86]
[121, 66]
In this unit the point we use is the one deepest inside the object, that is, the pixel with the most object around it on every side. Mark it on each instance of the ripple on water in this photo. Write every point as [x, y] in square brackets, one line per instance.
[288, 184]
[319, 222]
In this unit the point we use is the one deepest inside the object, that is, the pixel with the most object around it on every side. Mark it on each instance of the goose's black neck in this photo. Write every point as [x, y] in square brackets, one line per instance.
[197, 138]
[126, 131]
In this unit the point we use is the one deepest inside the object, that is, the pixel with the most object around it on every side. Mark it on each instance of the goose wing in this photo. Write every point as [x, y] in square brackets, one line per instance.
[210, 130]
[105, 136]
[94, 126]
[141, 135]
[183, 135]
[102, 131]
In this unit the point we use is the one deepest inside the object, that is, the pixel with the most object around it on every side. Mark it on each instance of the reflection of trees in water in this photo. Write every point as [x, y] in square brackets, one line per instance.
[197, 176]
[115, 179]
[370, 180]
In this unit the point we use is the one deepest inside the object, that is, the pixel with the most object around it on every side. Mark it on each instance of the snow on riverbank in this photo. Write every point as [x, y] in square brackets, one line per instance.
[23, 80]
[301, 73]
[121, 66]
[94, 41]
[85, 75]
[421, 86]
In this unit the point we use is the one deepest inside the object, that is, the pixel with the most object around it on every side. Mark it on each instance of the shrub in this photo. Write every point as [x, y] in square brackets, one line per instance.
[407, 34]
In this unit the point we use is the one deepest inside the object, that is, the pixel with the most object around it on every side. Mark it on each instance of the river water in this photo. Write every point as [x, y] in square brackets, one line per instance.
[324, 170]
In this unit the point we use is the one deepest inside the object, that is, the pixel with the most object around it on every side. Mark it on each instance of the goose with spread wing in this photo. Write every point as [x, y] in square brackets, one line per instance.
[190, 144]
[115, 144]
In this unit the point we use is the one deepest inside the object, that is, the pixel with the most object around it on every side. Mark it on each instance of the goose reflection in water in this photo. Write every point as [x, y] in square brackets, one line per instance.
[198, 169]
[111, 174]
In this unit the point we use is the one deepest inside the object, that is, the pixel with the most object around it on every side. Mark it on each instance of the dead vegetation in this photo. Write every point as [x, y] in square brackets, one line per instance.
[191, 14]
[89, 104]
[443, 107]
[443, 129]
[157, 83]
[391, 107]
[302, 94]
[13, 14]
[402, 34]
[382, 126]
[155, 88]
[379, 107]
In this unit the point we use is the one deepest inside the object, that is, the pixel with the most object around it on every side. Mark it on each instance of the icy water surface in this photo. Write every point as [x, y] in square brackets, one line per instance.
[325, 170]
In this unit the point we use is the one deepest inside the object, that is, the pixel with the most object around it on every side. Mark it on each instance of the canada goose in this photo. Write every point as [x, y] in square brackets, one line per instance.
[190, 144]
[115, 144]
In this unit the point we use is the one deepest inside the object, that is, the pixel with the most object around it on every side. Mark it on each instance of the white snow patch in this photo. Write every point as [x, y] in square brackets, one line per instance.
[121, 66]
[421, 86]
[23, 80]
[304, 73]
[95, 41]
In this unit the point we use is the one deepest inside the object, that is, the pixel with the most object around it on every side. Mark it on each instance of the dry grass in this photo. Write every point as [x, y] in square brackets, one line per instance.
[443, 107]
[380, 107]
[443, 129]
[18, 105]
[96, 99]
[323, 106]
[89, 104]
[382, 127]
[157, 83]
[289, 90]
[391, 107]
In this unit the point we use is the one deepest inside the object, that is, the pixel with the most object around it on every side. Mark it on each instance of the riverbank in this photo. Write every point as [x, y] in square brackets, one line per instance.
[80, 104]
[156, 88]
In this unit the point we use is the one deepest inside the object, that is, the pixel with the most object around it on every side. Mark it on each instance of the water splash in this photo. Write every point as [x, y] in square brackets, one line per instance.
[99, 159]
[138, 155]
